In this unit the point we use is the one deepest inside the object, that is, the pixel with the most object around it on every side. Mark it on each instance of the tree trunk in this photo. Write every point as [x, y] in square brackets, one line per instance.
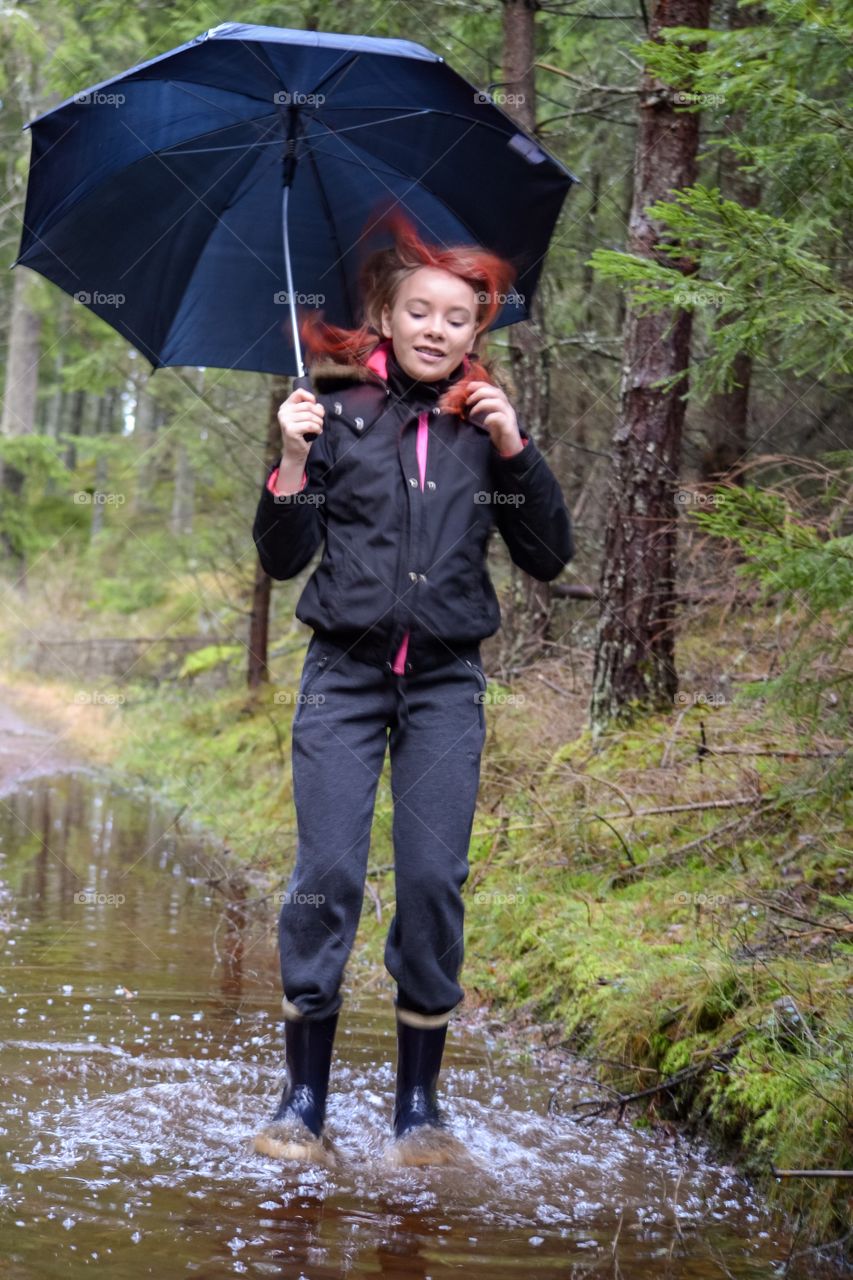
[75, 427]
[21, 388]
[728, 427]
[147, 416]
[107, 405]
[259, 619]
[182, 498]
[635, 648]
[184, 490]
[527, 618]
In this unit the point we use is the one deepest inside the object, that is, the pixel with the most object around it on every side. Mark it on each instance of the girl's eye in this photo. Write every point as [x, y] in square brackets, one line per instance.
[457, 324]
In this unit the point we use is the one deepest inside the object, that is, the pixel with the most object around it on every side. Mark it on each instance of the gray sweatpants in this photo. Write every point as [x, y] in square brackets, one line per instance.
[434, 725]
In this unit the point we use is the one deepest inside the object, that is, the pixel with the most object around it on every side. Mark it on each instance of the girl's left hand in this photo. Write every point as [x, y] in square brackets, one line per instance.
[487, 406]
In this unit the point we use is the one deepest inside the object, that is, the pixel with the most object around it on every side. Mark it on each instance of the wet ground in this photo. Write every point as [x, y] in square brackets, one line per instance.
[141, 1047]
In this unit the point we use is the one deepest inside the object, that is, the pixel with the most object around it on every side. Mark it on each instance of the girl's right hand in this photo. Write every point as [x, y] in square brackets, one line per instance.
[300, 413]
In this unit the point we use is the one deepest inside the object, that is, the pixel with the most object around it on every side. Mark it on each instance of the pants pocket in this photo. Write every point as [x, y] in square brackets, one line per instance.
[482, 692]
[316, 661]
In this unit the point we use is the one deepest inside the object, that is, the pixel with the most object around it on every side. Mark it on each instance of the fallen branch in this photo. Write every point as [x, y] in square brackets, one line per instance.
[682, 808]
[669, 859]
[713, 1060]
[376, 902]
[816, 925]
[782, 754]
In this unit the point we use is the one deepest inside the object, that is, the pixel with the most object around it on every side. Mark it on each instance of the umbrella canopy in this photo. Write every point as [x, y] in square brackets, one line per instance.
[194, 201]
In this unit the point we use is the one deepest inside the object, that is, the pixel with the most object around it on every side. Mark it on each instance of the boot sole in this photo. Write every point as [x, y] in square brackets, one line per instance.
[280, 1142]
[427, 1145]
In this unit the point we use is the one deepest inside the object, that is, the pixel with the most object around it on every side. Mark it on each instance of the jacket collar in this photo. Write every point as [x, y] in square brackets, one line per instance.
[382, 369]
[383, 361]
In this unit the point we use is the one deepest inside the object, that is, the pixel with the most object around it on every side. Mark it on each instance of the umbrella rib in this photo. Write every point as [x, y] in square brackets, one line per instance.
[344, 71]
[184, 151]
[431, 111]
[217, 106]
[335, 236]
[412, 183]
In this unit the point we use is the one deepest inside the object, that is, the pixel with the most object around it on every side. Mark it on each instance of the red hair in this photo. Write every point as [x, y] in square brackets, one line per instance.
[380, 277]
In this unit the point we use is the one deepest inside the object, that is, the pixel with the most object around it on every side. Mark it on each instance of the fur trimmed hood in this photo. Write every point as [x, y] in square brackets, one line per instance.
[328, 375]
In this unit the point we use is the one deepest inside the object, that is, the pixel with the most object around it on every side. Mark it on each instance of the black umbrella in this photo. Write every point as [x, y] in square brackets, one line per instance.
[194, 201]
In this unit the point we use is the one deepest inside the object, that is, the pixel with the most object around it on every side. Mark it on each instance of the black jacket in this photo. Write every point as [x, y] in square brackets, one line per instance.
[396, 558]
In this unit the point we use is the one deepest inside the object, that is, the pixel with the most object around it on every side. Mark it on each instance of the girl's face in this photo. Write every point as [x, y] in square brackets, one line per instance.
[432, 323]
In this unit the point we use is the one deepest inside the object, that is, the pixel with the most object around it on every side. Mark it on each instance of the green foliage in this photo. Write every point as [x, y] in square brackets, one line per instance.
[27, 528]
[212, 655]
[808, 569]
[763, 280]
[126, 594]
[767, 280]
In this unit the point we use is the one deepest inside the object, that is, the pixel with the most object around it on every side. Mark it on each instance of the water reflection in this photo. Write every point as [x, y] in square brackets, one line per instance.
[141, 1048]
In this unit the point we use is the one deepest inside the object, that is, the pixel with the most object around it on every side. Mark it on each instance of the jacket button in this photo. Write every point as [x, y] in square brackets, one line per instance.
[430, 484]
[413, 576]
[359, 423]
[339, 408]
[436, 409]
[413, 482]
[422, 577]
[388, 665]
[408, 666]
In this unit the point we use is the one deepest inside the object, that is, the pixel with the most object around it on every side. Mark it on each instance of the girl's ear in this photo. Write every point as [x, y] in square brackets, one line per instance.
[385, 321]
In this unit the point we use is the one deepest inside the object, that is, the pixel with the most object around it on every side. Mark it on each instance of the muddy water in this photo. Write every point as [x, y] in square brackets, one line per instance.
[140, 1048]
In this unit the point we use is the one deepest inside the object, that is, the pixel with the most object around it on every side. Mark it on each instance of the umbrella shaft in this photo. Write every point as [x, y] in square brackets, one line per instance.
[300, 369]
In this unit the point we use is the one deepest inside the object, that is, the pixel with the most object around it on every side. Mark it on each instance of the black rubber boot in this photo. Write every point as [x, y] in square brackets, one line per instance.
[419, 1053]
[308, 1050]
[296, 1129]
[421, 1133]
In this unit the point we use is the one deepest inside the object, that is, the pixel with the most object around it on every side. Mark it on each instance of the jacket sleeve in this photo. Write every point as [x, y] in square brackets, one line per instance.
[289, 528]
[531, 513]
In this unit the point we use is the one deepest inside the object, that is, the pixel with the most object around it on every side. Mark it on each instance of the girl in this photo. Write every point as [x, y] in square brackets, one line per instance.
[401, 466]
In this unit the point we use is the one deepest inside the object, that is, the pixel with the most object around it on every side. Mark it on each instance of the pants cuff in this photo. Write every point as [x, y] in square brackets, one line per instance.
[412, 1019]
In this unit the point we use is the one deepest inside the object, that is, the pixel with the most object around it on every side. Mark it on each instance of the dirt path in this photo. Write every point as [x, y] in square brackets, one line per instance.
[28, 750]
